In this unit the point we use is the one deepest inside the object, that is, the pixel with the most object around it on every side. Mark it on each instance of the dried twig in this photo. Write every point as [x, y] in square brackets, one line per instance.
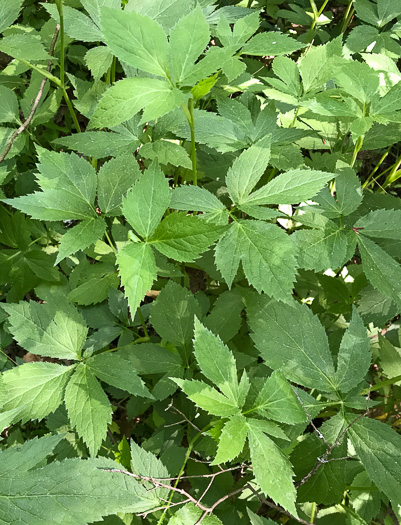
[26, 123]
[172, 407]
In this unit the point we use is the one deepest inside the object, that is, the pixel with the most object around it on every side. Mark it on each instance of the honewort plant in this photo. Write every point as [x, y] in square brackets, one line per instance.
[200, 255]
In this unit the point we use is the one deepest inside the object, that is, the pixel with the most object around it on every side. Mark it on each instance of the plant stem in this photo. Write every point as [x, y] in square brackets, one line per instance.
[393, 175]
[313, 512]
[349, 13]
[382, 384]
[140, 314]
[189, 113]
[59, 4]
[110, 242]
[367, 181]
[71, 109]
[358, 146]
[316, 15]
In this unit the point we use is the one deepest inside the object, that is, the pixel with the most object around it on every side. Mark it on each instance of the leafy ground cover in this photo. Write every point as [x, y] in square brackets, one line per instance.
[200, 245]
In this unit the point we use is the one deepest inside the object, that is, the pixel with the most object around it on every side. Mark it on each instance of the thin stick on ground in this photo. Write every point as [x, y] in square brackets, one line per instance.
[26, 123]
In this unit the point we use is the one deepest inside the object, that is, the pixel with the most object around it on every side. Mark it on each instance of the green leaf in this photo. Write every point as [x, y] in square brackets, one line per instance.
[208, 398]
[53, 329]
[188, 39]
[389, 103]
[80, 237]
[166, 152]
[98, 60]
[348, 195]
[114, 369]
[137, 40]
[267, 255]
[382, 463]
[100, 144]
[271, 43]
[88, 407]
[387, 10]
[145, 204]
[34, 388]
[172, 314]
[259, 520]
[91, 283]
[8, 105]
[354, 356]
[146, 464]
[94, 8]
[291, 187]
[381, 223]
[25, 46]
[8, 417]
[9, 11]
[321, 249]
[232, 440]
[137, 269]
[247, 169]
[184, 238]
[115, 178]
[148, 359]
[357, 79]
[166, 13]
[216, 362]
[76, 491]
[299, 348]
[225, 318]
[195, 198]
[128, 96]
[276, 400]
[69, 188]
[190, 514]
[272, 470]
[382, 270]
[77, 25]
[390, 358]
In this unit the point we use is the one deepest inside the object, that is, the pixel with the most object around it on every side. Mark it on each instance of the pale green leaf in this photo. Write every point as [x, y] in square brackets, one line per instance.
[298, 348]
[94, 8]
[272, 470]
[137, 269]
[88, 407]
[354, 356]
[166, 12]
[8, 105]
[379, 449]
[247, 169]
[259, 520]
[76, 24]
[145, 204]
[267, 255]
[190, 514]
[216, 361]
[148, 359]
[166, 152]
[72, 492]
[208, 398]
[348, 196]
[357, 79]
[232, 440]
[53, 329]
[291, 187]
[173, 313]
[195, 198]
[35, 388]
[383, 271]
[128, 96]
[100, 144]
[137, 40]
[390, 358]
[387, 10]
[271, 43]
[80, 237]
[98, 60]
[188, 39]
[277, 400]
[8, 417]
[215, 59]
[114, 369]
[115, 178]
[184, 238]
[25, 46]
[9, 11]
[146, 464]
[268, 428]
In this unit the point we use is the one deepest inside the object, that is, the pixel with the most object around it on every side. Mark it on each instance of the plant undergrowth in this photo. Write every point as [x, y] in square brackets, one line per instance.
[200, 245]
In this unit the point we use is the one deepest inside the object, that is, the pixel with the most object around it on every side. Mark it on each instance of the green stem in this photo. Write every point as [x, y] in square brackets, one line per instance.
[313, 512]
[59, 4]
[347, 16]
[71, 109]
[380, 385]
[141, 317]
[367, 181]
[42, 72]
[392, 176]
[316, 15]
[358, 146]
[110, 242]
[189, 113]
